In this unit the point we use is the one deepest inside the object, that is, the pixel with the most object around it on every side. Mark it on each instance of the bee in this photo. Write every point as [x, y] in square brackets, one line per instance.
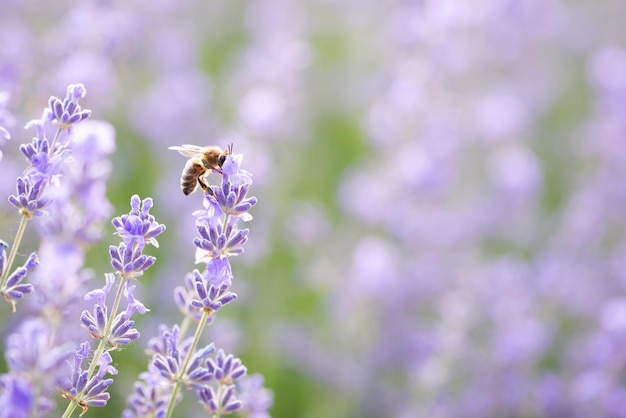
[202, 160]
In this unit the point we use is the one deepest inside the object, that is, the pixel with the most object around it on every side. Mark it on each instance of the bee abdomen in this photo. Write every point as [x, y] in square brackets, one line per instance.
[189, 178]
[188, 186]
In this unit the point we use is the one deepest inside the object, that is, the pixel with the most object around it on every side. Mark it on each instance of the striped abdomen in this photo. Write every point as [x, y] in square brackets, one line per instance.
[189, 179]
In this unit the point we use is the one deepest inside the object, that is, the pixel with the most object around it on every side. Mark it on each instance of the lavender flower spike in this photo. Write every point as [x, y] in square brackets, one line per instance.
[89, 391]
[68, 112]
[220, 236]
[212, 287]
[29, 200]
[14, 288]
[137, 228]
[176, 362]
[110, 328]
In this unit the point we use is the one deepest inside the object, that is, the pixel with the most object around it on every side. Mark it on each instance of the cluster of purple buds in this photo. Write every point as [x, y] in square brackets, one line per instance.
[232, 195]
[220, 236]
[110, 327]
[14, 289]
[137, 228]
[121, 329]
[169, 360]
[91, 389]
[44, 158]
[66, 113]
[225, 369]
[212, 287]
[33, 192]
[28, 200]
[175, 360]
[169, 351]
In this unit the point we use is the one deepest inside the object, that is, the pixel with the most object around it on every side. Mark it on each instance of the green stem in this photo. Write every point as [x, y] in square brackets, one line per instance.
[219, 398]
[16, 243]
[54, 141]
[226, 216]
[192, 349]
[101, 346]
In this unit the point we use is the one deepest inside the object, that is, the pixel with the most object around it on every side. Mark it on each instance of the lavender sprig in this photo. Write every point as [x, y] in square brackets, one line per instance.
[45, 162]
[67, 113]
[75, 206]
[14, 289]
[175, 361]
[113, 329]
[91, 390]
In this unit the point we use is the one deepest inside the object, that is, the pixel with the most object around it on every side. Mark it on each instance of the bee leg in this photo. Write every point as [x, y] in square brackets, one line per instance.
[205, 187]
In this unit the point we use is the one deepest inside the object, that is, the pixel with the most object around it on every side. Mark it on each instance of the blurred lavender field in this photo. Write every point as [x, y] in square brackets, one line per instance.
[441, 226]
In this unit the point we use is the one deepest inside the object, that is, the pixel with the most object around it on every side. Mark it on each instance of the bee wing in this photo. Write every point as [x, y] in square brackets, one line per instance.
[188, 150]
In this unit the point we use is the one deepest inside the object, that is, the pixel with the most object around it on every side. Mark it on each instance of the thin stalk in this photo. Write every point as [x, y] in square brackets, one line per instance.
[226, 216]
[16, 243]
[103, 343]
[219, 397]
[54, 141]
[192, 349]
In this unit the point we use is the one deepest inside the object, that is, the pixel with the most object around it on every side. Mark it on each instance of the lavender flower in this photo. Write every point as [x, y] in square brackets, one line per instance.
[476, 256]
[217, 225]
[96, 322]
[51, 182]
[221, 402]
[91, 389]
[14, 289]
[175, 359]
[226, 368]
[67, 113]
[110, 328]
[232, 196]
[212, 290]
[34, 188]
[136, 229]
[81, 206]
[29, 200]
[45, 163]
[149, 398]
[171, 364]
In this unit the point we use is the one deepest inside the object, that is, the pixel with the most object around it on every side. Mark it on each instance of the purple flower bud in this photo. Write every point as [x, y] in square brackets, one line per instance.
[239, 239]
[56, 106]
[75, 92]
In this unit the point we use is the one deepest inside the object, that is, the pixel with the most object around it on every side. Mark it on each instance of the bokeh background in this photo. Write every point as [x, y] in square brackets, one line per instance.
[441, 226]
